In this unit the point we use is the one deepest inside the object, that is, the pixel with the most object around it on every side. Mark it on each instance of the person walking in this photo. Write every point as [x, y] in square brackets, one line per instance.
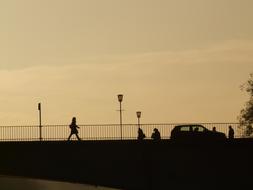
[231, 132]
[73, 126]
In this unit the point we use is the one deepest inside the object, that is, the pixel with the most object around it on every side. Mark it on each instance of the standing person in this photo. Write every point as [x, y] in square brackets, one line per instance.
[231, 132]
[141, 135]
[156, 135]
[73, 128]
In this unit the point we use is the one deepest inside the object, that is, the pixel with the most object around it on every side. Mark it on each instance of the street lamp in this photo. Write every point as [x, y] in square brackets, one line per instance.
[138, 113]
[120, 98]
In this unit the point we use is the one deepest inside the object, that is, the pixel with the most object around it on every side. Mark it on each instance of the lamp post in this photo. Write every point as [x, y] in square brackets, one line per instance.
[120, 99]
[138, 113]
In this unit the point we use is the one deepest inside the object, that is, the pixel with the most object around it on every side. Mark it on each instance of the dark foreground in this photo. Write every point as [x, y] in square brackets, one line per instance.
[133, 164]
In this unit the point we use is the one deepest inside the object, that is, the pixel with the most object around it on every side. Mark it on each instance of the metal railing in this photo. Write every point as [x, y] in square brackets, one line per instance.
[100, 132]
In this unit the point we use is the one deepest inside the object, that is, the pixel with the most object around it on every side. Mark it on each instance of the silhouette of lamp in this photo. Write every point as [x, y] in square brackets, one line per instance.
[120, 98]
[138, 113]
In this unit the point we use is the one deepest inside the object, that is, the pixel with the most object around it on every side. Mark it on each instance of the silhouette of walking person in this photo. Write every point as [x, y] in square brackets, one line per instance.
[141, 135]
[231, 132]
[156, 135]
[73, 128]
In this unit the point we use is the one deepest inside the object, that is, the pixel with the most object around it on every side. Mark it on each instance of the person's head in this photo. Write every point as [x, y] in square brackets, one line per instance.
[214, 128]
[230, 127]
[73, 119]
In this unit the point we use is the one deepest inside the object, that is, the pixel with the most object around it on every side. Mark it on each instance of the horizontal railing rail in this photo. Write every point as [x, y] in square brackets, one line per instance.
[101, 132]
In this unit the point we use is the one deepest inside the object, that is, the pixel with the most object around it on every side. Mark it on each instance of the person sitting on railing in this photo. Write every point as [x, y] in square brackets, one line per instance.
[141, 135]
[73, 128]
[156, 135]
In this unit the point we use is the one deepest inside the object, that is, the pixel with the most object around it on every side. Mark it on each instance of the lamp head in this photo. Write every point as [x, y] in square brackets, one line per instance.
[120, 97]
[138, 113]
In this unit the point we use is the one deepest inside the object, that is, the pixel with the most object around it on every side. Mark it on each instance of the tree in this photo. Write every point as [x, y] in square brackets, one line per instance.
[246, 115]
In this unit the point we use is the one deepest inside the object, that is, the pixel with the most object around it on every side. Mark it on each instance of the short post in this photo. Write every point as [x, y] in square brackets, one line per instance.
[40, 126]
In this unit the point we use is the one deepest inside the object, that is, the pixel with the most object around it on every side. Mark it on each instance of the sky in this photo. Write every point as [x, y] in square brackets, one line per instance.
[173, 60]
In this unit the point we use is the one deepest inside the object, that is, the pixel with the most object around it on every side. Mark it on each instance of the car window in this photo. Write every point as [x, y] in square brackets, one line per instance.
[198, 128]
[185, 128]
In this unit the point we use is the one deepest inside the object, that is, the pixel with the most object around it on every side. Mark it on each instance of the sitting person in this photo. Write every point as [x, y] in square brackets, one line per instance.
[156, 135]
[141, 135]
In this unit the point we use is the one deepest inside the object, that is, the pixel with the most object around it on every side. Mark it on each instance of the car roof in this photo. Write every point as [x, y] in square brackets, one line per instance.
[189, 125]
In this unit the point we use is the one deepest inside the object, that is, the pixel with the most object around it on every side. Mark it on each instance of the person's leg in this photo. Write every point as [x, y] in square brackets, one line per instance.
[70, 136]
[78, 137]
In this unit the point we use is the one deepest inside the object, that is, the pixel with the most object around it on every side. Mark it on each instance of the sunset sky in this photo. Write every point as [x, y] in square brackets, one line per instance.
[174, 60]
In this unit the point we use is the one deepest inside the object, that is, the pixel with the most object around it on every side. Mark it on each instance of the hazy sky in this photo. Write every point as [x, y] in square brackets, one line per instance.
[174, 60]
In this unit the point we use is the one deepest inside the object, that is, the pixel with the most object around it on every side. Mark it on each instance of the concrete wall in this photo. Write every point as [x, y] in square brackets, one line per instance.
[133, 164]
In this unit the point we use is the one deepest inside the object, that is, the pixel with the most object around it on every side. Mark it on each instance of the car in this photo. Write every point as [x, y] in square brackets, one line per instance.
[195, 132]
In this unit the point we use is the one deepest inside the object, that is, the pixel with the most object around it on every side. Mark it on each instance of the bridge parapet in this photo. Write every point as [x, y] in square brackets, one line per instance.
[100, 131]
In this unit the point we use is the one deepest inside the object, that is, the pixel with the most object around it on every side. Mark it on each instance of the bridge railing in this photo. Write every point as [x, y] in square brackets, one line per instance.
[100, 132]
